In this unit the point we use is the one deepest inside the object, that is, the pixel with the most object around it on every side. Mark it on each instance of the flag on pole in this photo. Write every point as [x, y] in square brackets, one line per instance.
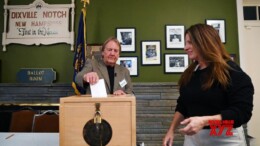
[80, 51]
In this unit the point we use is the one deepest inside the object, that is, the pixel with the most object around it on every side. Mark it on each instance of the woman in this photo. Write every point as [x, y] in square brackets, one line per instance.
[213, 89]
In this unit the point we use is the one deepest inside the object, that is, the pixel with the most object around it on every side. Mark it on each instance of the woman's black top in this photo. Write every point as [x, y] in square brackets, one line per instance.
[234, 103]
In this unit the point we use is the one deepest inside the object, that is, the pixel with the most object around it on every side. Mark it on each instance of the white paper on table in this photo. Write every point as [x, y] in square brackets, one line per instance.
[98, 90]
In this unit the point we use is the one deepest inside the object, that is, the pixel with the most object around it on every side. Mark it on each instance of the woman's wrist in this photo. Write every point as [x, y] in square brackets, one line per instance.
[206, 119]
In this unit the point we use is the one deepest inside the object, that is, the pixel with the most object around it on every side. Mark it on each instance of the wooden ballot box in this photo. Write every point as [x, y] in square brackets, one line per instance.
[118, 111]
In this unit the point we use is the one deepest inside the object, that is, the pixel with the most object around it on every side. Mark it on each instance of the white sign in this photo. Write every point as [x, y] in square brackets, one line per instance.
[39, 23]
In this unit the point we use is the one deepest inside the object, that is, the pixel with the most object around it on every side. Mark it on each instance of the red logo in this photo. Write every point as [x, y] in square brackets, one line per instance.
[217, 127]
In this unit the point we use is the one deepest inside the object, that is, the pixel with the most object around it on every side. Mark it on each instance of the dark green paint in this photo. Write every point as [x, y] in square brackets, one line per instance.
[149, 17]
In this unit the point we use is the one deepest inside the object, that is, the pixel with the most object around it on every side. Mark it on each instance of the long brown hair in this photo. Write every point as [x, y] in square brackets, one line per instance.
[205, 39]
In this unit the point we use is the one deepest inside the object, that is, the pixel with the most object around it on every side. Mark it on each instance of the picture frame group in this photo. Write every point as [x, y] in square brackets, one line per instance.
[151, 52]
[220, 26]
[175, 63]
[131, 63]
[126, 37]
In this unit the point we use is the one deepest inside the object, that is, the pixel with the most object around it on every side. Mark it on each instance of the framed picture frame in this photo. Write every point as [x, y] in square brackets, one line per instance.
[174, 36]
[131, 63]
[126, 37]
[175, 63]
[220, 26]
[151, 52]
[94, 51]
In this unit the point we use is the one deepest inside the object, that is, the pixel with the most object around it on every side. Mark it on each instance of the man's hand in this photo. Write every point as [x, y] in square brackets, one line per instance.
[119, 92]
[91, 78]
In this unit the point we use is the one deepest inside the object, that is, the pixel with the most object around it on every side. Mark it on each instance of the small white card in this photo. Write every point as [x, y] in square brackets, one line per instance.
[98, 90]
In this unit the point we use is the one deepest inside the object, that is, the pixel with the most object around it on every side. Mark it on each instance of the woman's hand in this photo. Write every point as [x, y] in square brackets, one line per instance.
[168, 139]
[193, 125]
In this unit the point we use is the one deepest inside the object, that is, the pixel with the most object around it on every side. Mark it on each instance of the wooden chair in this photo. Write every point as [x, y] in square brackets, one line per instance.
[48, 121]
[22, 120]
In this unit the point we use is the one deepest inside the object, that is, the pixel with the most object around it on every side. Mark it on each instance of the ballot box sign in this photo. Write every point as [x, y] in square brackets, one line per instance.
[36, 75]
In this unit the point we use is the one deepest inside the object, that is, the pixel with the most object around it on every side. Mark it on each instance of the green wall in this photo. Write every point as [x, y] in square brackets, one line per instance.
[148, 17]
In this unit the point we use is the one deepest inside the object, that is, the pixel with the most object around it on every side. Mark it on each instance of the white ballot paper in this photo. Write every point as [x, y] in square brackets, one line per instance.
[98, 90]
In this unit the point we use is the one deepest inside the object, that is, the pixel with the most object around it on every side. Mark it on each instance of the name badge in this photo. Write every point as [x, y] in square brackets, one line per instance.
[123, 83]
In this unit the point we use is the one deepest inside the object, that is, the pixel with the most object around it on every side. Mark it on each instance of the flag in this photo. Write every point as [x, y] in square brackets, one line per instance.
[80, 51]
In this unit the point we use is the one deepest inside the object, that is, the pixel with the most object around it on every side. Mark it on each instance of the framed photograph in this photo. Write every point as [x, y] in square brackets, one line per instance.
[220, 26]
[126, 37]
[151, 52]
[174, 36]
[94, 51]
[131, 63]
[175, 63]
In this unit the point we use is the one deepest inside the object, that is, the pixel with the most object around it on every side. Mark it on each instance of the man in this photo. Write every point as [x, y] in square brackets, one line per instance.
[117, 78]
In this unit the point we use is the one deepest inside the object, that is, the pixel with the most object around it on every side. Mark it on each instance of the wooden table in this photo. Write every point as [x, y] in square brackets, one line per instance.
[29, 139]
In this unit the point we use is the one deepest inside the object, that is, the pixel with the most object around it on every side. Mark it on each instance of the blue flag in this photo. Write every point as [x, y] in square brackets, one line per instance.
[80, 51]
